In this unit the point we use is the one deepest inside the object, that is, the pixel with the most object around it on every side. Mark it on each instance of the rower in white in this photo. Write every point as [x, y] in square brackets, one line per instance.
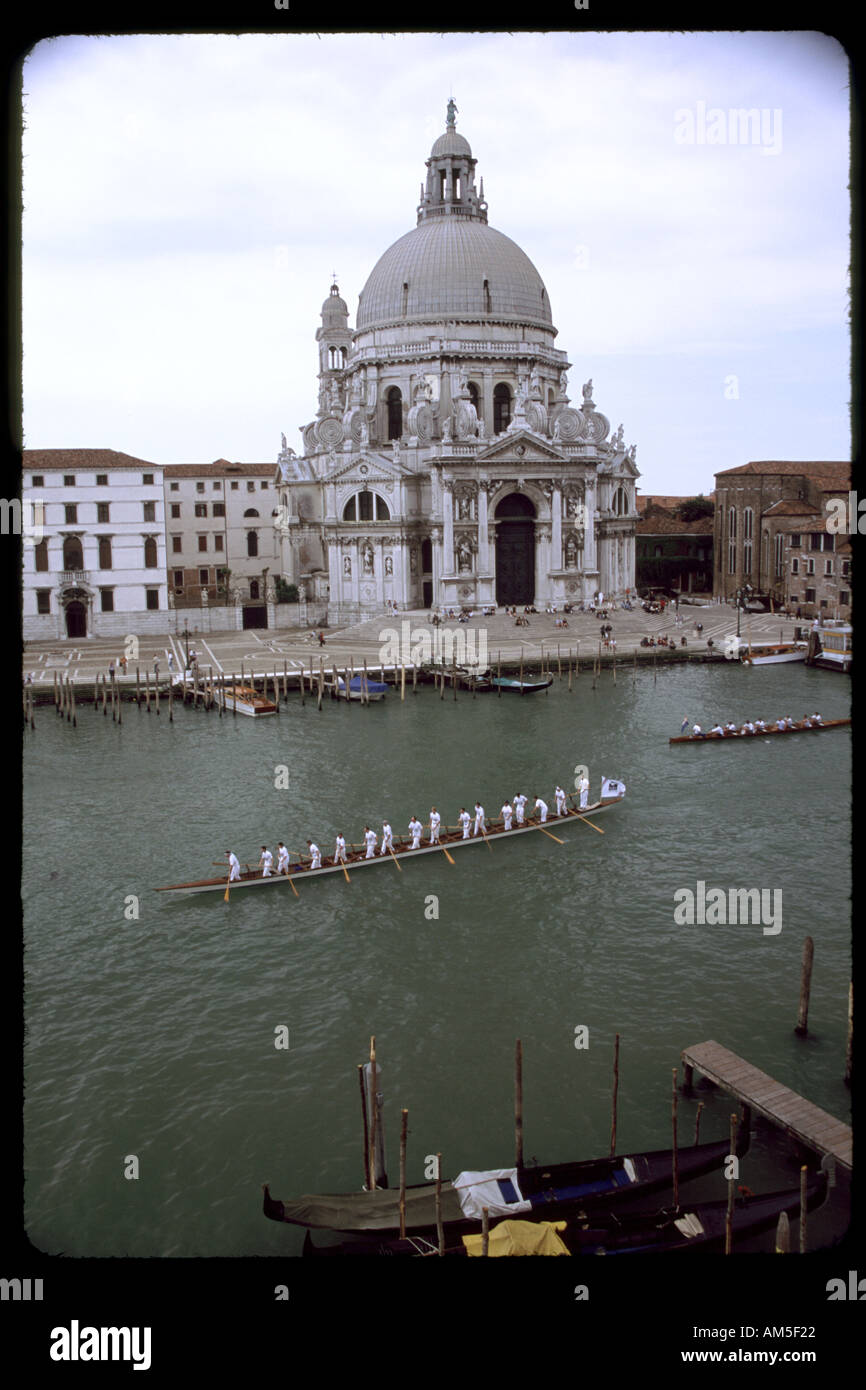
[583, 788]
[234, 867]
[464, 818]
[340, 850]
[267, 862]
[560, 801]
[387, 838]
[370, 838]
[315, 855]
[507, 812]
[282, 858]
[435, 821]
[541, 807]
[415, 828]
[480, 824]
[520, 807]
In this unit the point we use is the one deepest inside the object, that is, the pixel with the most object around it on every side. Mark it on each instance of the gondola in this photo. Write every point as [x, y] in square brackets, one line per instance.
[361, 687]
[698, 1226]
[449, 840]
[799, 728]
[562, 1190]
[519, 687]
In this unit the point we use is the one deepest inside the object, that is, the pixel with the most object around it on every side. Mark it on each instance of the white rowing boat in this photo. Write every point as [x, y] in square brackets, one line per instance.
[450, 840]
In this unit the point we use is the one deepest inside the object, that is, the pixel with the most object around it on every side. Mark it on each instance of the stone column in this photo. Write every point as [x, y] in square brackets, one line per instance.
[483, 549]
[380, 573]
[542, 562]
[356, 573]
[436, 538]
[589, 553]
[556, 525]
[486, 401]
[447, 526]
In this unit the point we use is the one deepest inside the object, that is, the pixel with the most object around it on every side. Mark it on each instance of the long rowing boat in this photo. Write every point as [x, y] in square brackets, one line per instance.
[799, 728]
[451, 839]
[699, 1226]
[559, 1190]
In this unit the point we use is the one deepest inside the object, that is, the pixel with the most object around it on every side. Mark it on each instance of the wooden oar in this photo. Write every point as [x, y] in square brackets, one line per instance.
[486, 841]
[589, 822]
[226, 897]
[345, 874]
[445, 852]
[294, 889]
[549, 836]
[396, 860]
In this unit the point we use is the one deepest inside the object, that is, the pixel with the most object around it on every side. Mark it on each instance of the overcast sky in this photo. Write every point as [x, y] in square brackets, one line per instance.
[187, 199]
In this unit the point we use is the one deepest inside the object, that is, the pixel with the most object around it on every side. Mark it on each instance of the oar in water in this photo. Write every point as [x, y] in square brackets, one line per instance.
[589, 822]
[226, 896]
[549, 836]
[445, 852]
[396, 860]
[486, 841]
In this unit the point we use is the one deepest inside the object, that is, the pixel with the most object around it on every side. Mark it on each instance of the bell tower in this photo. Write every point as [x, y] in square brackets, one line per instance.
[334, 339]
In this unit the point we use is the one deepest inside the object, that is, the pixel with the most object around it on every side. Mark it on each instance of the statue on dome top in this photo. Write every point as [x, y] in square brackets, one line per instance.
[452, 111]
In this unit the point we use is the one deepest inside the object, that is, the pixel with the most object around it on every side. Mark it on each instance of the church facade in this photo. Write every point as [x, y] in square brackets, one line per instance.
[446, 465]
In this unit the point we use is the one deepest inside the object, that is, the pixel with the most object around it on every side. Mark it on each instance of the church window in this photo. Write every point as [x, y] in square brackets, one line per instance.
[473, 390]
[382, 512]
[254, 588]
[366, 506]
[620, 505]
[350, 511]
[343, 356]
[404, 305]
[456, 186]
[442, 185]
[501, 408]
[252, 543]
[250, 511]
[395, 413]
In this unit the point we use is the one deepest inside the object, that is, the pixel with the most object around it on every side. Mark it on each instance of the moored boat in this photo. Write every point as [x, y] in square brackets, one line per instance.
[560, 1190]
[698, 1226]
[799, 728]
[450, 839]
[245, 699]
[763, 653]
[833, 647]
[362, 687]
[521, 687]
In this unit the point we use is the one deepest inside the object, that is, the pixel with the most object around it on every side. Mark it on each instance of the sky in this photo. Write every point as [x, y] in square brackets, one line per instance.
[187, 199]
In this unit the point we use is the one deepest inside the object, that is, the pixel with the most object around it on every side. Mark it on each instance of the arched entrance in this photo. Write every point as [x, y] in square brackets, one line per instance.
[515, 549]
[76, 619]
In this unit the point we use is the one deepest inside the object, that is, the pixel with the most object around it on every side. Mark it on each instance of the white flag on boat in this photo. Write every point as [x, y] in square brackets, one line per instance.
[611, 787]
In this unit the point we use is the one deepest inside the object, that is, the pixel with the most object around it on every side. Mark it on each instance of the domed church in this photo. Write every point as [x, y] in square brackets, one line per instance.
[446, 465]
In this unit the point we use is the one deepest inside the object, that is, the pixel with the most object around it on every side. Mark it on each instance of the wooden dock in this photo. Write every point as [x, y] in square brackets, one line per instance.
[805, 1122]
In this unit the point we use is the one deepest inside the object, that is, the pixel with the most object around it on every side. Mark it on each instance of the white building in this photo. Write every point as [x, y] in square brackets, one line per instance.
[221, 543]
[446, 464]
[99, 567]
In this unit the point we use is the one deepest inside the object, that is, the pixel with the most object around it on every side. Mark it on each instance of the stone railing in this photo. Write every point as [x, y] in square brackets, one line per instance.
[75, 576]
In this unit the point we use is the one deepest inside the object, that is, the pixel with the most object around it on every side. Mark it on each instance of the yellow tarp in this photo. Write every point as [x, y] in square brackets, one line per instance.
[521, 1238]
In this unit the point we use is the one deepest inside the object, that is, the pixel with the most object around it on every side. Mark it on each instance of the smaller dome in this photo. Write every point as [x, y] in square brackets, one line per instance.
[451, 143]
[334, 307]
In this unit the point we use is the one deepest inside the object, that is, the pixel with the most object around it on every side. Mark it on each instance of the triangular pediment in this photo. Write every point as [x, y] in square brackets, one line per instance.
[623, 467]
[366, 467]
[535, 449]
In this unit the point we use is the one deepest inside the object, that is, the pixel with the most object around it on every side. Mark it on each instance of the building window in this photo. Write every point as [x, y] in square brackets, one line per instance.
[106, 600]
[814, 540]
[150, 511]
[365, 506]
[43, 600]
[473, 396]
[748, 522]
[147, 479]
[178, 579]
[219, 508]
[218, 542]
[254, 588]
[620, 505]
[202, 542]
[845, 567]
[501, 408]
[176, 545]
[250, 511]
[350, 511]
[795, 566]
[38, 480]
[796, 540]
[203, 576]
[809, 596]
[732, 540]
[844, 597]
[780, 555]
[216, 487]
[828, 567]
[174, 487]
[69, 480]
[810, 566]
[252, 543]
[102, 480]
[175, 511]
[151, 555]
[152, 599]
[234, 486]
[41, 555]
[199, 487]
[395, 413]
[263, 487]
[73, 554]
[201, 508]
[71, 510]
[102, 510]
[251, 487]
[105, 552]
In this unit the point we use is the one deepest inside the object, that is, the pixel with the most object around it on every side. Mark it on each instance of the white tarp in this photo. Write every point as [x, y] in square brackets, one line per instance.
[611, 787]
[477, 1190]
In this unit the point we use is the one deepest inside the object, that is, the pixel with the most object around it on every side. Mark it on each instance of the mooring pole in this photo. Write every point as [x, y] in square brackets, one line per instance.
[404, 1116]
[518, 1103]
[615, 1093]
[732, 1187]
[675, 1156]
[805, 987]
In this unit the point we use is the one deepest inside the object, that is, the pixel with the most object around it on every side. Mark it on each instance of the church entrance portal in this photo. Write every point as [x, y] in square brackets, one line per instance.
[515, 550]
[76, 619]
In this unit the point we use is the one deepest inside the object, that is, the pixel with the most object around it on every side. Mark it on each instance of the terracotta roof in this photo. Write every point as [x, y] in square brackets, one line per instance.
[220, 468]
[46, 460]
[790, 506]
[659, 524]
[811, 522]
[786, 467]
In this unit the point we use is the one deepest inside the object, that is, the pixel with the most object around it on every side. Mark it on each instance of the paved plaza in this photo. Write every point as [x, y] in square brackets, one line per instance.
[265, 651]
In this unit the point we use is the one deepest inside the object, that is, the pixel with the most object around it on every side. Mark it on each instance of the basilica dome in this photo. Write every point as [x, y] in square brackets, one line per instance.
[453, 265]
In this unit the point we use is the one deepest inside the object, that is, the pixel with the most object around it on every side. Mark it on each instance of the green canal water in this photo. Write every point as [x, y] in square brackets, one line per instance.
[154, 1036]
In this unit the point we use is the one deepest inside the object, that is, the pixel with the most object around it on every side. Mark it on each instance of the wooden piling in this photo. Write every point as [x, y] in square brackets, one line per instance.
[440, 1232]
[170, 701]
[301, 683]
[137, 688]
[155, 690]
[234, 693]
[499, 675]
[72, 695]
[615, 1094]
[674, 1150]
[569, 673]
[414, 678]
[285, 681]
[365, 697]
[115, 698]
[367, 1182]
[698, 1120]
[783, 1234]
[849, 1045]
[454, 675]
[104, 696]
[558, 662]
[147, 690]
[403, 682]
[371, 1091]
[321, 683]
[732, 1189]
[804, 1206]
[404, 1116]
[521, 670]
[485, 1230]
[518, 1103]
[56, 695]
[805, 988]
